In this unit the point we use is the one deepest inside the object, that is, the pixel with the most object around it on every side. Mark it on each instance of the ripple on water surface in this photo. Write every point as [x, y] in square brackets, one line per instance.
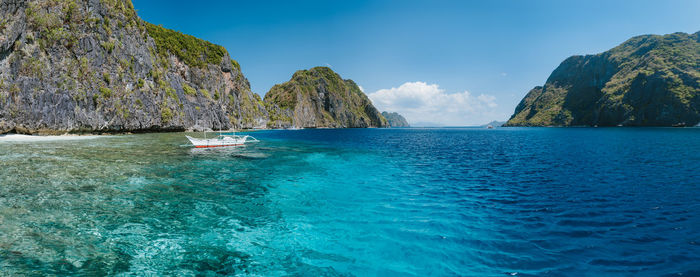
[525, 202]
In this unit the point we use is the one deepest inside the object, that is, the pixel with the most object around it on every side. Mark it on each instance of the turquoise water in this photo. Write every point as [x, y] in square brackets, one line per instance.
[387, 202]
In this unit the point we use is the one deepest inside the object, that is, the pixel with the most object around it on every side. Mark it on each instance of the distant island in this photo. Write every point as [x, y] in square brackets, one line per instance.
[648, 80]
[319, 97]
[96, 66]
[395, 120]
[494, 123]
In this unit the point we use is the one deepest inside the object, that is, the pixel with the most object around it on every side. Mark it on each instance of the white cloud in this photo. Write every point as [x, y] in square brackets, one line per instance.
[422, 102]
[361, 88]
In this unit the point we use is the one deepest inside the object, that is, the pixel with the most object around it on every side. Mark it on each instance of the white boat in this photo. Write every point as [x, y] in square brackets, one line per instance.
[221, 141]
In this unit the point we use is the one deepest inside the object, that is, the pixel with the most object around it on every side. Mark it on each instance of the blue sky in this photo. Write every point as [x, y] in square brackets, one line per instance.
[447, 62]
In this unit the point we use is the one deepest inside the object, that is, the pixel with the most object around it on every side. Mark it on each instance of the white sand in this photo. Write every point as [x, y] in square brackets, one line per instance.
[28, 138]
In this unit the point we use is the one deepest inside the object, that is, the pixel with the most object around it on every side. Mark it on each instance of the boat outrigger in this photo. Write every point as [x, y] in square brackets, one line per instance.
[221, 140]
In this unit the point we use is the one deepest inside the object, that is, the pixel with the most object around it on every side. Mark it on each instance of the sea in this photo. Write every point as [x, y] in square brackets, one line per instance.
[355, 202]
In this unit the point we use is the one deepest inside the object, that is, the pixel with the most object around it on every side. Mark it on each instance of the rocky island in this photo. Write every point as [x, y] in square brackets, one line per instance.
[84, 66]
[95, 66]
[649, 80]
[319, 97]
[395, 119]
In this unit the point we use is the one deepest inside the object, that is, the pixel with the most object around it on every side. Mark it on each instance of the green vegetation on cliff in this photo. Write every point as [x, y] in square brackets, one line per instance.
[95, 66]
[648, 80]
[191, 50]
[319, 97]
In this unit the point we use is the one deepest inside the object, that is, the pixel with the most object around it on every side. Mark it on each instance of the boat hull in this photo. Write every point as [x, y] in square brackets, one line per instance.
[212, 146]
[222, 141]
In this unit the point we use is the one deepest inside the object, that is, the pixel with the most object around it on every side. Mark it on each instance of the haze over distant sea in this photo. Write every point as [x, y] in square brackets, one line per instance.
[436, 201]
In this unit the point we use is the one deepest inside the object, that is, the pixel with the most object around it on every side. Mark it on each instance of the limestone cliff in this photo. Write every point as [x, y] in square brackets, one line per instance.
[648, 80]
[320, 98]
[71, 66]
[395, 119]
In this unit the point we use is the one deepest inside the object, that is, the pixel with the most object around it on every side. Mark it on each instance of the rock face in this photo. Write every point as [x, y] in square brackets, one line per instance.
[395, 120]
[72, 66]
[320, 98]
[648, 80]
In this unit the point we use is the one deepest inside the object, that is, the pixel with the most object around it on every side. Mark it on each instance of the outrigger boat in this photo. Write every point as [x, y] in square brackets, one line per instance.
[221, 140]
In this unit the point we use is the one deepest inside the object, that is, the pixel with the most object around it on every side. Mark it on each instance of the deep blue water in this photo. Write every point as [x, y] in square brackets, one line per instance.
[386, 202]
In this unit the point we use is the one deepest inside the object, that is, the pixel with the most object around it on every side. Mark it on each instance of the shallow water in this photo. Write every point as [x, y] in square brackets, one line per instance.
[531, 201]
